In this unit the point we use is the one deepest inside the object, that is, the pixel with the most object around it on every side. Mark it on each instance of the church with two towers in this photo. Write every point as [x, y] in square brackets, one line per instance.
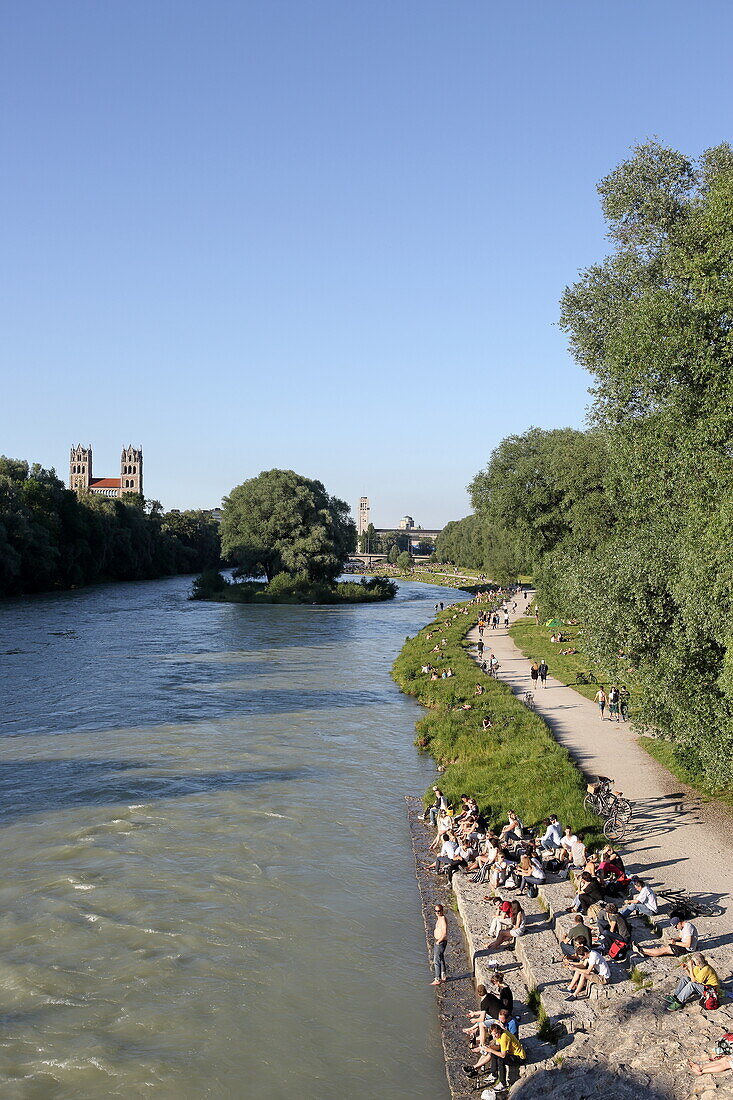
[81, 479]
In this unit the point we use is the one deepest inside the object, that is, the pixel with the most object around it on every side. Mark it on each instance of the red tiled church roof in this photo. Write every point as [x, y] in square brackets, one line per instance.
[105, 483]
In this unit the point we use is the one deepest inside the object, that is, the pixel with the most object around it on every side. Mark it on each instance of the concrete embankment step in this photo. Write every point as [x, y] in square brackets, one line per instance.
[459, 996]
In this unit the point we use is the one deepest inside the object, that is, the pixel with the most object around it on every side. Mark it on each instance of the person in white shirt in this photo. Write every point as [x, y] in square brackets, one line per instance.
[682, 941]
[643, 901]
[552, 838]
[590, 969]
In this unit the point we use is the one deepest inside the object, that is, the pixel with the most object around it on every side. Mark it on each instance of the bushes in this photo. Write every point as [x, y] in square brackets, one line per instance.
[285, 588]
[516, 764]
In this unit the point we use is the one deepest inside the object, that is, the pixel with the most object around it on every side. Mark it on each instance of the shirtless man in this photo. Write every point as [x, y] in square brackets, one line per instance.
[440, 938]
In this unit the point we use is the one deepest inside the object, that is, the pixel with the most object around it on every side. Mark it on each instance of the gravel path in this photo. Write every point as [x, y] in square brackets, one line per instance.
[676, 839]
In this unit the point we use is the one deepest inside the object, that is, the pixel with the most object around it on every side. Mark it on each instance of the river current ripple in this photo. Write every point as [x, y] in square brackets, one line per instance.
[207, 887]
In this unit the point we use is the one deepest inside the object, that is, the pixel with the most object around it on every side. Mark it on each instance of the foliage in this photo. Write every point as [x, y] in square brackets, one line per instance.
[282, 522]
[517, 764]
[285, 588]
[628, 526]
[404, 561]
[393, 555]
[50, 538]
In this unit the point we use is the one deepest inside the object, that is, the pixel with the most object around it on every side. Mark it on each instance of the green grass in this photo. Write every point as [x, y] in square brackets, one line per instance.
[664, 752]
[534, 642]
[517, 764]
[641, 979]
[547, 1031]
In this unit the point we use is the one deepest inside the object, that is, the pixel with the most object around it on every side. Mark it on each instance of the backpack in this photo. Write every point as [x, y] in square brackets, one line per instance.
[710, 998]
[724, 1045]
[532, 889]
[618, 950]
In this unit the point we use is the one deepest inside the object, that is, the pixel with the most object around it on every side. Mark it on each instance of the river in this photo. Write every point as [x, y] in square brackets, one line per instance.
[207, 887]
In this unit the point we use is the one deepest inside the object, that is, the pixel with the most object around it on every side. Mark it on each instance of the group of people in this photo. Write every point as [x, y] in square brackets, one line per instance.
[617, 702]
[515, 860]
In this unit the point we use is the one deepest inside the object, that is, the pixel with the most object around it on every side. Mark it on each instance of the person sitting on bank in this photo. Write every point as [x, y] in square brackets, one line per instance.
[612, 926]
[496, 999]
[529, 870]
[698, 974]
[590, 893]
[512, 830]
[553, 835]
[515, 929]
[502, 917]
[590, 969]
[579, 933]
[503, 1051]
[644, 900]
[682, 940]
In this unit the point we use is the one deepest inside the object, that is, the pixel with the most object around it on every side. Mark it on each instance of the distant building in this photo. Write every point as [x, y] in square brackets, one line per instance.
[81, 478]
[363, 520]
[406, 524]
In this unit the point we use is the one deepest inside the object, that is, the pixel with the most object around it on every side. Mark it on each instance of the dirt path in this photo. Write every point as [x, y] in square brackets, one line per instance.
[676, 840]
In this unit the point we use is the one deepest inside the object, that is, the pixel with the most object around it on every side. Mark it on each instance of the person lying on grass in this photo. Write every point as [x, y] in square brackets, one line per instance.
[503, 1051]
[698, 974]
[590, 969]
[682, 940]
[513, 932]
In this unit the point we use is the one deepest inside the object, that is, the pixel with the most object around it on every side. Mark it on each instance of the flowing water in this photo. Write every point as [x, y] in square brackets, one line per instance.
[206, 884]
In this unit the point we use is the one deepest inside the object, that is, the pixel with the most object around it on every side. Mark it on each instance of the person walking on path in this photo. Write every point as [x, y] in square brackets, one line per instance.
[534, 673]
[543, 670]
[440, 941]
[601, 698]
[613, 703]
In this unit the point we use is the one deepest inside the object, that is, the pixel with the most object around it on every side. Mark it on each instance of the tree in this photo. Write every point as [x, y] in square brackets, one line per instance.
[282, 522]
[652, 323]
[393, 555]
[369, 540]
[404, 562]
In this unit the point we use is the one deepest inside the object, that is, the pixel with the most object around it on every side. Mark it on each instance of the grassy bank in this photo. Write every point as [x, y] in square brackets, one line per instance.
[577, 672]
[575, 669]
[516, 764]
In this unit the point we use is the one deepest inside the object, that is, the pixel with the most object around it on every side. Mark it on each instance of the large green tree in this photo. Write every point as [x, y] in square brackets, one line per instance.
[653, 323]
[282, 522]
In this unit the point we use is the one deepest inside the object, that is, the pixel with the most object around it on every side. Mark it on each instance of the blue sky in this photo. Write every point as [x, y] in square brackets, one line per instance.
[323, 235]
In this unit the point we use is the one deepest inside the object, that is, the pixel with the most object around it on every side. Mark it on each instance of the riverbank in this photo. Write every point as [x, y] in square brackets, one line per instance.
[622, 1041]
[515, 764]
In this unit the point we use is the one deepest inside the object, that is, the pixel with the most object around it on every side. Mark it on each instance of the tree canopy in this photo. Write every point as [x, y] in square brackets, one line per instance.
[50, 538]
[282, 522]
[628, 526]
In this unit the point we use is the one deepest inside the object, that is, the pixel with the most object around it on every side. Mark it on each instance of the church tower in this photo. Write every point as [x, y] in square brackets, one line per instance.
[80, 468]
[131, 471]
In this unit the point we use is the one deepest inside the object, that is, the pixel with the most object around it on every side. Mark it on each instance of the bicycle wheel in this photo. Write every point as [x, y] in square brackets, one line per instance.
[592, 803]
[614, 828]
[623, 809]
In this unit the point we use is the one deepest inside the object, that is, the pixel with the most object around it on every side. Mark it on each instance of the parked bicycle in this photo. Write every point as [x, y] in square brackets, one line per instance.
[604, 801]
[687, 905]
[529, 700]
